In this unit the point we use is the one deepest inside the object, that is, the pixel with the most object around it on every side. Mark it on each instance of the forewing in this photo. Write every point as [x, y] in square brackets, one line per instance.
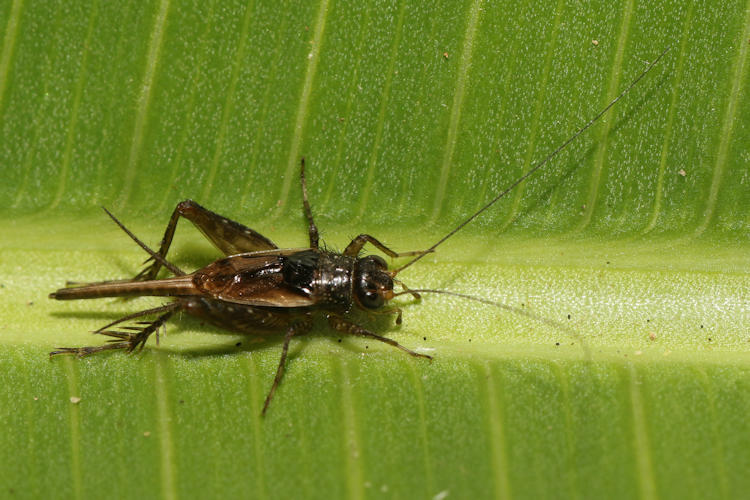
[255, 279]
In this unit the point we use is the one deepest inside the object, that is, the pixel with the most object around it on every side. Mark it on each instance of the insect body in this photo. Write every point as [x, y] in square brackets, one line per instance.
[259, 288]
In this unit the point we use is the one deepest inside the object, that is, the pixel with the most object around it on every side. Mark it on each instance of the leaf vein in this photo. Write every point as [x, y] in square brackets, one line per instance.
[144, 100]
[304, 103]
[727, 126]
[352, 445]
[9, 45]
[166, 447]
[228, 102]
[80, 82]
[456, 108]
[643, 464]
[498, 444]
[601, 152]
[537, 114]
[385, 99]
[656, 210]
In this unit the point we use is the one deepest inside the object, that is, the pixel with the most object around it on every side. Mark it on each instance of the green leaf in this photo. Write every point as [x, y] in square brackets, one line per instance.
[627, 371]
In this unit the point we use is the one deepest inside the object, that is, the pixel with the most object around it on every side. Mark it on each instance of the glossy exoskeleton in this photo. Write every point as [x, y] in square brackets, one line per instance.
[259, 288]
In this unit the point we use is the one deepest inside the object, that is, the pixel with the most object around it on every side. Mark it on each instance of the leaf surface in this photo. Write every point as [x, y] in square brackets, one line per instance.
[626, 371]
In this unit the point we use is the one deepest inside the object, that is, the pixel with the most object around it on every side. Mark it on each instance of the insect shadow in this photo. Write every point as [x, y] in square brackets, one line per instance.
[262, 290]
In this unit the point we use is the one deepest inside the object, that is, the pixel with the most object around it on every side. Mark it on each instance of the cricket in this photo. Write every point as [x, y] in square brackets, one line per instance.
[260, 289]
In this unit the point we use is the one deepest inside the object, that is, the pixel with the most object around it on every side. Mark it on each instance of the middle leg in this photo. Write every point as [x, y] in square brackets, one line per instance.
[295, 329]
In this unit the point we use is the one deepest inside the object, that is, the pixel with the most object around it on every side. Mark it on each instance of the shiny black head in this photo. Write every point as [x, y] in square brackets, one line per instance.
[373, 284]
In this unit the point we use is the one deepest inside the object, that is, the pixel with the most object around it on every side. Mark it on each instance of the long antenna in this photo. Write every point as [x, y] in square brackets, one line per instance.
[160, 259]
[549, 322]
[538, 165]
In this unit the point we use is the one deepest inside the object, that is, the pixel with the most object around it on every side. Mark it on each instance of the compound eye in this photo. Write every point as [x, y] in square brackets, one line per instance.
[369, 295]
[379, 261]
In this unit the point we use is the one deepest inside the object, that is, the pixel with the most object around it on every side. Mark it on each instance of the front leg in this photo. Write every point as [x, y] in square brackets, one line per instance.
[227, 235]
[389, 311]
[345, 326]
[353, 248]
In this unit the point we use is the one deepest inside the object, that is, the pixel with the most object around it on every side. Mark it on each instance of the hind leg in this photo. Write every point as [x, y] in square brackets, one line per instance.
[227, 235]
[127, 337]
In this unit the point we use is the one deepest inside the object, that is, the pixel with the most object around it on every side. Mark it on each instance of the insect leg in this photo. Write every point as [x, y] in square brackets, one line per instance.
[391, 310]
[227, 235]
[296, 328]
[353, 248]
[312, 228]
[129, 337]
[139, 314]
[407, 289]
[341, 325]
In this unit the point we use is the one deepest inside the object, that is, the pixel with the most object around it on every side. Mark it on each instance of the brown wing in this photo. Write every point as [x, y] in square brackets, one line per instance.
[255, 279]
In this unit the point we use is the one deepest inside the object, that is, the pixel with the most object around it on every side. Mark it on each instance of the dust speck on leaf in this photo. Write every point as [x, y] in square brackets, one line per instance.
[441, 496]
